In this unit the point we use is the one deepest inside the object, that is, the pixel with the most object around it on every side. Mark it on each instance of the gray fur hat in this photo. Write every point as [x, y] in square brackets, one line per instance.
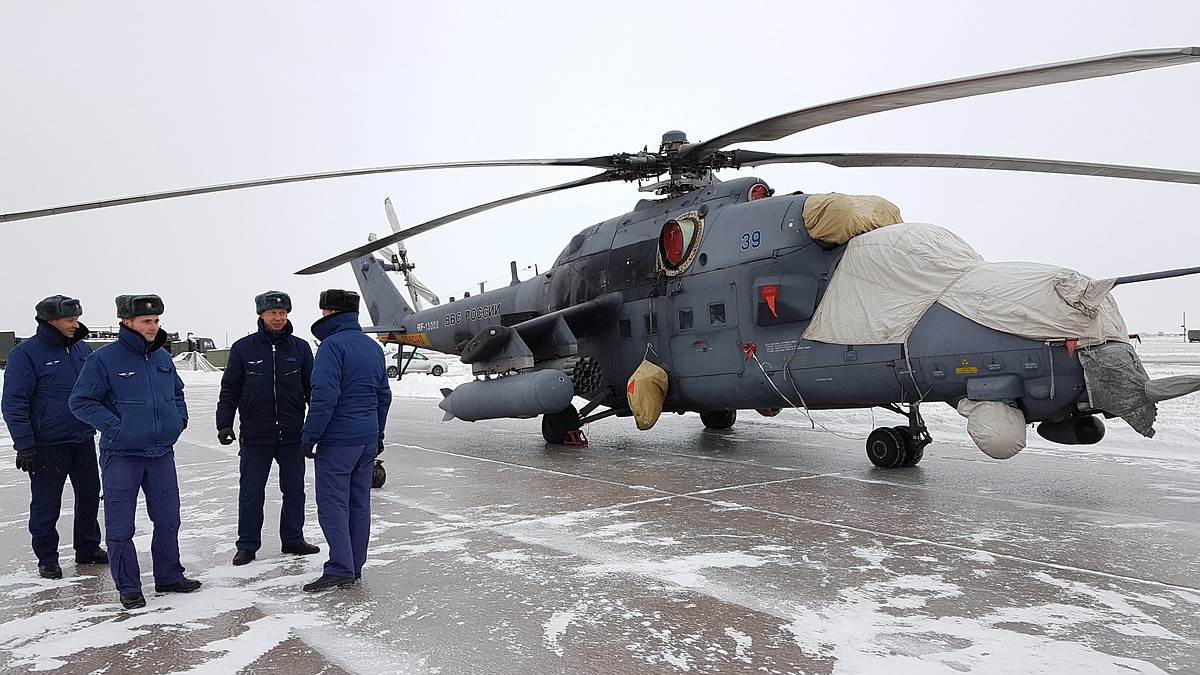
[272, 300]
[58, 307]
[130, 306]
[339, 300]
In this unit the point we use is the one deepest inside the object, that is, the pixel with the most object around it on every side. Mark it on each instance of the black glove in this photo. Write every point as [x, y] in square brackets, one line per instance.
[184, 424]
[225, 435]
[310, 450]
[25, 459]
[379, 450]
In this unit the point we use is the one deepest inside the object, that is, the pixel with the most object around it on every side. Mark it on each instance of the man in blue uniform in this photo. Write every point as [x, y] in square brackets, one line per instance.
[268, 382]
[51, 443]
[344, 431]
[129, 391]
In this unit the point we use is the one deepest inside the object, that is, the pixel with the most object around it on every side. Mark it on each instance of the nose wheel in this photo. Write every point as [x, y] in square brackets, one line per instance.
[892, 447]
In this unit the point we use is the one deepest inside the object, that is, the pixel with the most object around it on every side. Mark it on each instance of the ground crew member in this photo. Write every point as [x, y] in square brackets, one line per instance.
[129, 391]
[51, 443]
[344, 432]
[268, 382]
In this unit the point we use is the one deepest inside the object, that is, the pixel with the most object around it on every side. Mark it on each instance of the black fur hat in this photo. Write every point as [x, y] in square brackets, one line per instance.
[130, 306]
[58, 307]
[272, 300]
[339, 300]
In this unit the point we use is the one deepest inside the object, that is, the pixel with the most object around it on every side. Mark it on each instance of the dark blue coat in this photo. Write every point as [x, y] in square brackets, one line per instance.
[350, 392]
[267, 381]
[131, 393]
[37, 381]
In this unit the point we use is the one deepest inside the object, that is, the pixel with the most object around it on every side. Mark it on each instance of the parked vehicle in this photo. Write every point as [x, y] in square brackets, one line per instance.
[419, 364]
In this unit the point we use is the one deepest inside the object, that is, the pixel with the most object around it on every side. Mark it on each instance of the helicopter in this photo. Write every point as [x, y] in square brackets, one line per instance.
[746, 299]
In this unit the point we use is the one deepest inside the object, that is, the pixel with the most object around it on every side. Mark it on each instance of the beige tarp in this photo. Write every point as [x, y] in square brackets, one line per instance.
[647, 389]
[889, 277]
[836, 218]
[998, 429]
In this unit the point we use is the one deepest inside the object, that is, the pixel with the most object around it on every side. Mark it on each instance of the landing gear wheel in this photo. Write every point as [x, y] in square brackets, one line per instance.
[378, 475]
[914, 453]
[556, 426]
[886, 448]
[718, 419]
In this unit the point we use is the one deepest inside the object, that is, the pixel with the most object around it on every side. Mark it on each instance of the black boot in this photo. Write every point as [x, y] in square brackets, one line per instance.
[303, 548]
[184, 585]
[99, 557]
[328, 581]
[51, 571]
[133, 600]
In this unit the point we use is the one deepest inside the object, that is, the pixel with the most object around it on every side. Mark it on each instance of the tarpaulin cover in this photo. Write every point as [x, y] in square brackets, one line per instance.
[998, 429]
[836, 218]
[889, 277]
[647, 389]
[1116, 384]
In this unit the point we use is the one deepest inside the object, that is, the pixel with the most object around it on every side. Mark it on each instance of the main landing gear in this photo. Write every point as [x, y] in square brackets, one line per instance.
[891, 447]
[557, 426]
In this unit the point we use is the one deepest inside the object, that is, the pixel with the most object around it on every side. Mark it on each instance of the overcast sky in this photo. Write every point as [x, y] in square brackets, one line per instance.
[104, 100]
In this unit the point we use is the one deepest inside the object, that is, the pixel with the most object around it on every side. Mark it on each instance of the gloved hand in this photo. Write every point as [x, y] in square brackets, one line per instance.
[184, 423]
[25, 459]
[310, 450]
[379, 450]
[225, 435]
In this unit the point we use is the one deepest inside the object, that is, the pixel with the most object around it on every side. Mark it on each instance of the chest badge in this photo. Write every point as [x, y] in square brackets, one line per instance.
[128, 373]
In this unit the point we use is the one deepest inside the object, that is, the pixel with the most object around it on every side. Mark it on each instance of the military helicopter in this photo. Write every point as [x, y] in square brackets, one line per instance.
[751, 300]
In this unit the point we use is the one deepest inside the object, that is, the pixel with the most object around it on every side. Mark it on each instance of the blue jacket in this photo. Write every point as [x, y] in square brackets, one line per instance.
[350, 392]
[268, 380]
[37, 382]
[130, 392]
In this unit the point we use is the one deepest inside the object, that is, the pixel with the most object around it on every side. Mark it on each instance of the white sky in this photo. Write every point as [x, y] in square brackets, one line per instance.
[104, 100]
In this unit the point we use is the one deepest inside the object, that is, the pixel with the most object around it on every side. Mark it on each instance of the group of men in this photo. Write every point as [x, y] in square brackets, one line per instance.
[331, 408]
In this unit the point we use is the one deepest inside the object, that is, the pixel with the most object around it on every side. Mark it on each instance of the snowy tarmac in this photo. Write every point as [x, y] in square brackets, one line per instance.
[767, 548]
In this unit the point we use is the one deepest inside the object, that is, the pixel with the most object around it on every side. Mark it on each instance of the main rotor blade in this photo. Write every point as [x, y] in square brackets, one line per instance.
[866, 160]
[600, 162]
[1152, 276]
[326, 265]
[780, 126]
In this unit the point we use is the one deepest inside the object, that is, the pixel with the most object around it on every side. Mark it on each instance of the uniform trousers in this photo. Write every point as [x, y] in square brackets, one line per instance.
[344, 505]
[54, 464]
[155, 477]
[255, 468]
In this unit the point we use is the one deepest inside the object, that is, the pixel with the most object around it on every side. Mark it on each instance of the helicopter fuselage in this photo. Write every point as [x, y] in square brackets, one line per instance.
[727, 325]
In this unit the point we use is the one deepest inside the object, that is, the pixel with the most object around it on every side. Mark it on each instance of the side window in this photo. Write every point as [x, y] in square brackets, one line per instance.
[625, 328]
[686, 320]
[716, 314]
[651, 324]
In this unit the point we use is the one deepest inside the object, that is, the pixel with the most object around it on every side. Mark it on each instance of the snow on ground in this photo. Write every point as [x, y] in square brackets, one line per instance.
[48, 639]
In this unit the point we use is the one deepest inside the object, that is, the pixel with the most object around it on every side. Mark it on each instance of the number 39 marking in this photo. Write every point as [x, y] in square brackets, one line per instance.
[751, 240]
